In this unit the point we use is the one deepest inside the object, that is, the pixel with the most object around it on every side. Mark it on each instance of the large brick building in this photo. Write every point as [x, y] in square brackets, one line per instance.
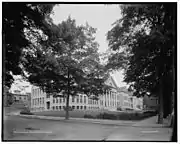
[111, 100]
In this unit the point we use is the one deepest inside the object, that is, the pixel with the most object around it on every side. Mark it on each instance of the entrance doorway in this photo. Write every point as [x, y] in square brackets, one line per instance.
[48, 105]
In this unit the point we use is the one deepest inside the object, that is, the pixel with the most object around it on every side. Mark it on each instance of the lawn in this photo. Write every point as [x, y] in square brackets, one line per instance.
[100, 114]
[75, 113]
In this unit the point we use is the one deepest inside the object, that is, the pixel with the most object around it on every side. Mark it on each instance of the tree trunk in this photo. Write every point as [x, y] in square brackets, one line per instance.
[160, 115]
[67, 107]
[67, 100]
[174, 133]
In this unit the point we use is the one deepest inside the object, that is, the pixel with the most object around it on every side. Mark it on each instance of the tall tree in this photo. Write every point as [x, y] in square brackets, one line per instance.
[68, 66]
[144, 40]
[17, 19]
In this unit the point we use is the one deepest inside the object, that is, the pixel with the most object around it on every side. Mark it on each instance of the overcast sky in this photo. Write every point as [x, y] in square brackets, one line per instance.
[98, 16]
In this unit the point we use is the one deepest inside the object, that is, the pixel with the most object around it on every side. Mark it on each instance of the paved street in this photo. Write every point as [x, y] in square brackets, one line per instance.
[141, 134]
[18, 128]
[54, 130]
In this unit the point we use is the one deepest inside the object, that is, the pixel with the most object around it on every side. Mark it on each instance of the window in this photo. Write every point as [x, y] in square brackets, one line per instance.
[57, 107]
[77, 100]
[43, 100]
[60, 107]
[81, 99]
[60, 100]
[81, 107]
[73, 107]
[53, 100]
[64, 107]
[72, 99]
[20, 98]
[38, 92]
[64, 100]
[84, 99]
[56, 100]
[53, 107]
[47, 95]
[40, 101]
[77, 107]
[84, 107]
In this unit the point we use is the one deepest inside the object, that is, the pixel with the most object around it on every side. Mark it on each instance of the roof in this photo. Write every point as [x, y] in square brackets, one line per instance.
[125, 90]
[111, 80]
[19, 94]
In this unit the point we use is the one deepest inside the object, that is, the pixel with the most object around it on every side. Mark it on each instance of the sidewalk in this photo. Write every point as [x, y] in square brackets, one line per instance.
[145, 130]
[151, 122]
[97, 121]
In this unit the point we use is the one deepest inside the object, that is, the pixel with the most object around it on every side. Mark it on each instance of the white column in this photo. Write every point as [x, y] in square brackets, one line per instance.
[111, 94]
[113, 99]
[109, 98]
[82, 99]
[104, 100]
[116, 99]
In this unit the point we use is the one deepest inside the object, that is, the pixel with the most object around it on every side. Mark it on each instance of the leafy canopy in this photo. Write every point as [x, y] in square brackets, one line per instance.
[20, 19]
[143, 40]
[70, 64]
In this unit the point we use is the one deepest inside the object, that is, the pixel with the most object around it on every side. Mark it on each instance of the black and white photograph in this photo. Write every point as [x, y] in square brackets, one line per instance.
[89, 72]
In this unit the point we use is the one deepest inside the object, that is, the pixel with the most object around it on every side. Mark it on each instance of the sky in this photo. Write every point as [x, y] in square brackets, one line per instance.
[98, 16]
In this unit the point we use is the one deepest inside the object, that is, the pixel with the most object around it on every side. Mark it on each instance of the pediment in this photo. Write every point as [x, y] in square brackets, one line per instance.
[110, 82]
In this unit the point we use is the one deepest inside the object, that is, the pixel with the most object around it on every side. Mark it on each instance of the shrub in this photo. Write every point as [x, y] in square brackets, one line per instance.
[119, 109]
[88, 116]
[107, 116]
[123, 116]
[26, 112]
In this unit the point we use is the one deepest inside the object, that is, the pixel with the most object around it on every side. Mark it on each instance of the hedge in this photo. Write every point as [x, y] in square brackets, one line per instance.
[123, 116]
[26, 112]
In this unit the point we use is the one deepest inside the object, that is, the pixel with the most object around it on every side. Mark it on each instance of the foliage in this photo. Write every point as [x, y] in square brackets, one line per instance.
[9, 99]
[119, 109]
[125, 116]
[26, 112]
[19, 20]
[144, 40]
[72, 65]
[88, 116]
[68, 64]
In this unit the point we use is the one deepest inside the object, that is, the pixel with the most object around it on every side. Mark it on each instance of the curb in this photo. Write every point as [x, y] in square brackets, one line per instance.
[80, 120]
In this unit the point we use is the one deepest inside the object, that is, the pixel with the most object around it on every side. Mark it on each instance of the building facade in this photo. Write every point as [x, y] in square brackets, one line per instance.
[111, 100]
[128, 101]
[19, 97]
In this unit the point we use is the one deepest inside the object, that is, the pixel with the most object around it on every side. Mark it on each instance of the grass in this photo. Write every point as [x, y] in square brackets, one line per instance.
[100, 114]
[75, 113]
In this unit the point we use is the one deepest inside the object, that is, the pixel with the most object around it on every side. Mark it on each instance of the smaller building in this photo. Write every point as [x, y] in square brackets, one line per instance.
[130, 102]
[21, 98]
